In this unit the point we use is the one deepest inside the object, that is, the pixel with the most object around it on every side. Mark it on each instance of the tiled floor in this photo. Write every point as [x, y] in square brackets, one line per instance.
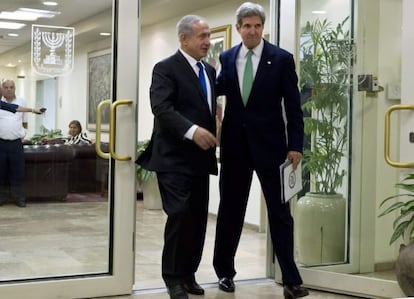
[253, 289]
[47, 239]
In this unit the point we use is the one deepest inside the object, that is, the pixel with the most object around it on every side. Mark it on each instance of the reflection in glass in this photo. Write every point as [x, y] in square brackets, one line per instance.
[64, 230]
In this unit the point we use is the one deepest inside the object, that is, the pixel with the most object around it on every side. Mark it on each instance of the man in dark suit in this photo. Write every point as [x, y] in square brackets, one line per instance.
[182, 152]
[257, 137]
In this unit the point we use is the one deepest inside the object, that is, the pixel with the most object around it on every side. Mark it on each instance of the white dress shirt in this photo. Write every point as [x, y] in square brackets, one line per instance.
[11, 124]
[241, 61]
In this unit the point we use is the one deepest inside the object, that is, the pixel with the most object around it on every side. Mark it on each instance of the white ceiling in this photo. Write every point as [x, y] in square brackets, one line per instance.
[89, 17]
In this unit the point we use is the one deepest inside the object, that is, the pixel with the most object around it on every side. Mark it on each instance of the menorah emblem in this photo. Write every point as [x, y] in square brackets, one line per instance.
[53, 40]
[52, 50]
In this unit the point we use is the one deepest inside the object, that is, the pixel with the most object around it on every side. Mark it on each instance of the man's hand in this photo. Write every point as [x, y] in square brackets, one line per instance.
[295, 158]
[204, 139]
[39, 111]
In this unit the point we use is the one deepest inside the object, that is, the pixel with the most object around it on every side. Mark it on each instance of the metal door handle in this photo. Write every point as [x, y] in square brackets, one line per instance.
[112, 130]
[98, 150]
[112, 112]
[387, 136]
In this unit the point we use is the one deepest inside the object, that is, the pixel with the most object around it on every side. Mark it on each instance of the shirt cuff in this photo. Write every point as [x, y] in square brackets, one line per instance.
[190, 133]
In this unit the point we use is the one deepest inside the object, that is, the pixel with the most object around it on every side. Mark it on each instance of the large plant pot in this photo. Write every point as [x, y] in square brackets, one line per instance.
[404, 269]
[151, 195]
[320, 229]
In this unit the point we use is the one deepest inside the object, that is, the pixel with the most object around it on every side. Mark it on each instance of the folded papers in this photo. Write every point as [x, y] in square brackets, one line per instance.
[290, 180]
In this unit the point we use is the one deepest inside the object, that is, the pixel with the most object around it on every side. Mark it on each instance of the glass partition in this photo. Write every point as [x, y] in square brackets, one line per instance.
[64, 229]
[325, 64]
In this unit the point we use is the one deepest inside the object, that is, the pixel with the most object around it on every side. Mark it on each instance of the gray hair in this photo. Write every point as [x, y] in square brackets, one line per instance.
[249, 9]
[185, 25]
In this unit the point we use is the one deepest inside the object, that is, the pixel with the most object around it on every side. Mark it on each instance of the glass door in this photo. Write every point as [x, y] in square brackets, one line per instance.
[334, 246]
[75, 236]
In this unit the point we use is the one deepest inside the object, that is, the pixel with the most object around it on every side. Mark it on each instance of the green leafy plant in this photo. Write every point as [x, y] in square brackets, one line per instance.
[405, 220]
[143, 174]
[45, 133]
[324, 73]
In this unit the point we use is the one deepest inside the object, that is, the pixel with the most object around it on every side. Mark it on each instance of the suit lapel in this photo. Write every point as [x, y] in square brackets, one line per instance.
[233, 70]
[265, 64]
[189, 73]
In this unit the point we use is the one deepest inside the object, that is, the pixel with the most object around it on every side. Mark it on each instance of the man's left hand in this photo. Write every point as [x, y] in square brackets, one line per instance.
[295, 158]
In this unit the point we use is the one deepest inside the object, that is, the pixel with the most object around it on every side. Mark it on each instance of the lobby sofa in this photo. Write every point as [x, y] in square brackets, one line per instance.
[54, 170]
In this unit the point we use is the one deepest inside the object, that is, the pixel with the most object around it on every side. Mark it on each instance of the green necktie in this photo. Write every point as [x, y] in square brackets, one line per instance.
[247, 77]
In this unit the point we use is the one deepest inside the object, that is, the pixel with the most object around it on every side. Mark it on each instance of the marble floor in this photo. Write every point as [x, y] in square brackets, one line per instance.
[251, 289]
[69, 238]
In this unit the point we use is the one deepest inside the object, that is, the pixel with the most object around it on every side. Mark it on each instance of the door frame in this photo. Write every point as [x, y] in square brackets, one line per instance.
[122, 194]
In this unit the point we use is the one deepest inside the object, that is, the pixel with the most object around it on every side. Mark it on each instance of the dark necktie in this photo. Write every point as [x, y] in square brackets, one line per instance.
[201, 77]
[247, 77]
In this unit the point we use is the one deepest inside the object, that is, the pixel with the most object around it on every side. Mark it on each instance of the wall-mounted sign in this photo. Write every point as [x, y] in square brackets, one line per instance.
[52, 50]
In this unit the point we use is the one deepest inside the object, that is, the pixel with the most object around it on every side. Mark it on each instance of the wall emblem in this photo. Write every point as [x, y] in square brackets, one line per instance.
[52, 50]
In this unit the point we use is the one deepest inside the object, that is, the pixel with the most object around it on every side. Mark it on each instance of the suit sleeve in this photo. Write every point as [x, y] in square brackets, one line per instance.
[8, 107]
[294, 114]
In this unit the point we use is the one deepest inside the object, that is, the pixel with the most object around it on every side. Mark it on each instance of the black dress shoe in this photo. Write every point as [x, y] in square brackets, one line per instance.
[194, 288]
[226, 284]
[177, 292]
[21, 202]
[292, 292]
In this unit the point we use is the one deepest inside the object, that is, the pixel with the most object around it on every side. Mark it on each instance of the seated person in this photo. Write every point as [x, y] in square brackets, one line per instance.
[76, 135]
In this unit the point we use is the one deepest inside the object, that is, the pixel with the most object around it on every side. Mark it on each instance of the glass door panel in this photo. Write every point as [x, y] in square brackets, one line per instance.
[335, 245]
[325, 64]
[66, 202]
[65, 59]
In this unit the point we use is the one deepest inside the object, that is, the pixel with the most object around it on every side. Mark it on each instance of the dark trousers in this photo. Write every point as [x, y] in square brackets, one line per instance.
[235, 181]
[185, 201]
[12, 168]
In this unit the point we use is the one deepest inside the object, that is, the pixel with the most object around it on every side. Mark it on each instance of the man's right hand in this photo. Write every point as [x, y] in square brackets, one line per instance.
[204, 139]
[39, 111]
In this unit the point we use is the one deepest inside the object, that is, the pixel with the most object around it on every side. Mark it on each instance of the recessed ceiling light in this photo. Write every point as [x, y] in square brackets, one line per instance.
[11, 25]
[105, 33]
[50, 3]
[319, 12]
[13, 34]
[28, 14]
[10, 65]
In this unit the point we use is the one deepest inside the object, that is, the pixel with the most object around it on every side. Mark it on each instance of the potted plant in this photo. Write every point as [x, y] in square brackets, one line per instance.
[403, 227]
[147, 181]
[44, 135]
[324, 77]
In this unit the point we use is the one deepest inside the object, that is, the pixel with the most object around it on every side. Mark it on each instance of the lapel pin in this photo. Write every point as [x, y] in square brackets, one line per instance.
[269, 62]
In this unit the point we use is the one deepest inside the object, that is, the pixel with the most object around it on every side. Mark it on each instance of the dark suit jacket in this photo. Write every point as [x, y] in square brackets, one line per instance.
[261, 120]
[178, 102]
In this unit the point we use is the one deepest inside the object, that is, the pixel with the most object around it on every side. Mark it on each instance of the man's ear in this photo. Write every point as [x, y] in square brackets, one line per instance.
[182, 38]
[238, 27]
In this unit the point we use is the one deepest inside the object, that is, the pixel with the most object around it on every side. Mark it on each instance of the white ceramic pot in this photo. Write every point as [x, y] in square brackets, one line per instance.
[320, 229]
[151, 195]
